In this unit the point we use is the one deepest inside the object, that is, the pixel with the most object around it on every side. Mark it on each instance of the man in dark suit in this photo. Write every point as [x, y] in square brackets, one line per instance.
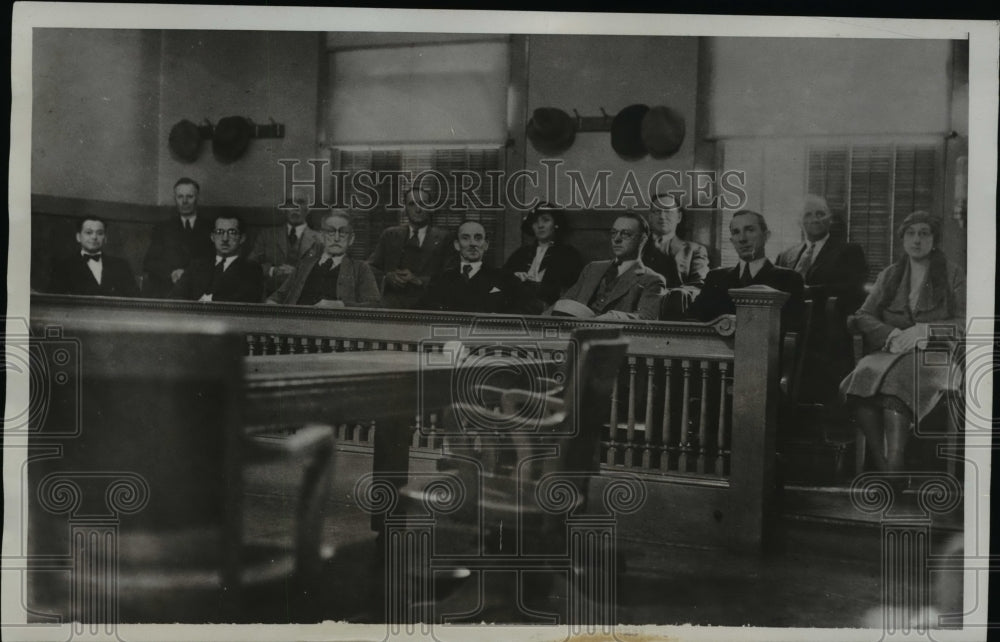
[409, 256]
[471, 286]
[227, 276]
[326, 277]
[621, 288]
[749, 233]
[92, 272]
[279, 249]
[175, 243]
[830, 267]
[684, 264]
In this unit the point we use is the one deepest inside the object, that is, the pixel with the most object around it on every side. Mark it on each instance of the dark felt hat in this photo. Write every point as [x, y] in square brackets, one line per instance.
[185, 141]
[662, 131]
[557, 214]
[231, 139]
[626, 135]
[551, 130]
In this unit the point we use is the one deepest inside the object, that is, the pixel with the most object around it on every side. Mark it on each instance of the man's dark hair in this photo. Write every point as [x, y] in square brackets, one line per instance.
[230, 217]
[81, 221]
[486, 232]
[184, 180]
[760, 218]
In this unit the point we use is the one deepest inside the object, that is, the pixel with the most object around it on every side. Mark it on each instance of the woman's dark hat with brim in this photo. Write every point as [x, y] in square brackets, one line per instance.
[185, 141]
[551, 130]
[626, 134]
[231, 139]
[662, 132]
[921, 217]
[557, 214]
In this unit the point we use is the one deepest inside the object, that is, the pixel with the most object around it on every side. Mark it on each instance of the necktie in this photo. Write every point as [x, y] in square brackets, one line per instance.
[611, 273]
[93, 257]
[187, 225]
[466, 271]
[414, 240]
[745, 277]
[326, 264]
[806, 260]
[292, 239]
[220, 268]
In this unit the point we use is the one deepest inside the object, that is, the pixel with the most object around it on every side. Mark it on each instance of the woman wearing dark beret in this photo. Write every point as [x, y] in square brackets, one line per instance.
[543, 269]
[893, 386]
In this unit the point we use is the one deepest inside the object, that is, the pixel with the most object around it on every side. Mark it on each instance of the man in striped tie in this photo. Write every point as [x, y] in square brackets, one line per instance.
[831, 267]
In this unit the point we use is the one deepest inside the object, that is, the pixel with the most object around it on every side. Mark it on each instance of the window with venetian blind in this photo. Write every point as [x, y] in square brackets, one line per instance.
[411, 105]
[871, 188]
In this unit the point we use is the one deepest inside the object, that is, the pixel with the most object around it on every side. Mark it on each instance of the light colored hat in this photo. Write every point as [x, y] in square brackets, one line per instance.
[573, 308]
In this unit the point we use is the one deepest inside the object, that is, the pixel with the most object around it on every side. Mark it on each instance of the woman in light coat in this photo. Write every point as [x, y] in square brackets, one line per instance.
[921, 296]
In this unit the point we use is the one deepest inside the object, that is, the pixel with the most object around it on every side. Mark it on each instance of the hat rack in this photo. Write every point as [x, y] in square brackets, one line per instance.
[206, 130]
[600, 123]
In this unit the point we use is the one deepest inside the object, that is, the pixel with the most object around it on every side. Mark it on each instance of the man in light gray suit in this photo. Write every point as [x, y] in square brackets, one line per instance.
[621, 288]
[279, 249]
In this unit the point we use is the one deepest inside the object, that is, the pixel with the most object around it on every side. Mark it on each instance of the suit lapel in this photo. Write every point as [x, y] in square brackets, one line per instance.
[625, 281]
[761, 277]
[824, 256]
[345, 278]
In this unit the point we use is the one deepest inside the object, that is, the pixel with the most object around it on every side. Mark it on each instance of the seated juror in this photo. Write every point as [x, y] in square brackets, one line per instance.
[278, 250]
[326, 277]
[748, 233]
[619, 288]
[90, 271]
[227, 276]
[683, 263]
[471, 286]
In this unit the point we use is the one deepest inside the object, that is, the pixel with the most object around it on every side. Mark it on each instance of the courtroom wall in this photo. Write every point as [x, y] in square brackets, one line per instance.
[95, 113]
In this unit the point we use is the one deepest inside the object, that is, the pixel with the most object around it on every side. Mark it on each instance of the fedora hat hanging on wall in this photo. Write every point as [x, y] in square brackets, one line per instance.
[231, 139]
[185, 141]
[662, 131]
[626, 135]
[551, 130]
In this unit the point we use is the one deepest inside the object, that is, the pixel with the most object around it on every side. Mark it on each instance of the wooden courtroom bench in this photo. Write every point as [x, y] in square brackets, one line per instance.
[692, 417]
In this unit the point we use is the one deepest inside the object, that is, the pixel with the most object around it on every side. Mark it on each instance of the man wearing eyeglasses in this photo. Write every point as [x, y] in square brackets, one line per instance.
[620, 288]
[326, 277]
[176, 242]
[227, 276]
[831, 267]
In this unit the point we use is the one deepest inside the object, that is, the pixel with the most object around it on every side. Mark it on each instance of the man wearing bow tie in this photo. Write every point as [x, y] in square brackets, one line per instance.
[279, 249]
[471, 286]
[176, 242]
[90, 271]
[409, 256]
[227, 276]
[748, 233]
[326, 277]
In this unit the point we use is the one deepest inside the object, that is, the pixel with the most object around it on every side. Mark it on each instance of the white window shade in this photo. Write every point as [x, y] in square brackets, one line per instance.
[438, 94]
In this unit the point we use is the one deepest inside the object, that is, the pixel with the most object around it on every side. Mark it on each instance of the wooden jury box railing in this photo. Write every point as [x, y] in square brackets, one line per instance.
[694, 402]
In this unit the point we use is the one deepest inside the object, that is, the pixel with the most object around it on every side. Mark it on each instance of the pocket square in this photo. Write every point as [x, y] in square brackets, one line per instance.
[494, 290]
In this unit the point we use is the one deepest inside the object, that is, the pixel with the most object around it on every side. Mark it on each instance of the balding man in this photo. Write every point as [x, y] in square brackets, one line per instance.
[831, 267]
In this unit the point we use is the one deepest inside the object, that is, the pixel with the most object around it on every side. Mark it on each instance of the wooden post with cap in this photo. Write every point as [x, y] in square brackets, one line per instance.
[755, 403]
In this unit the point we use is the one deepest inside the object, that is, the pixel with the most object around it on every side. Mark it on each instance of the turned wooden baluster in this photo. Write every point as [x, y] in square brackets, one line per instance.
[703, 417]
[647, 437]
[665, 428]
[720, 441]
[630, 426]
[684, 446]
[613, 424]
